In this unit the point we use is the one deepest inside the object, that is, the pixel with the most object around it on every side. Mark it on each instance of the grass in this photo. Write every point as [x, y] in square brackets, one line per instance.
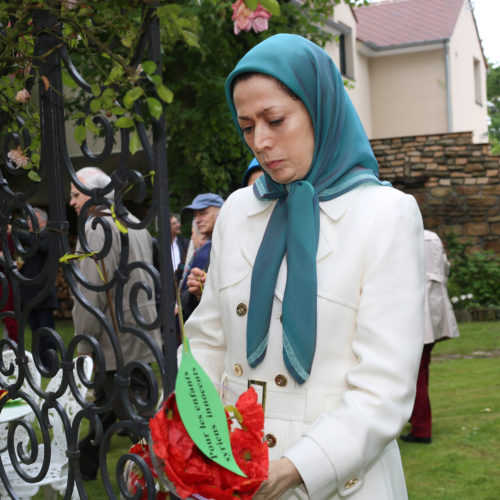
[464, 458]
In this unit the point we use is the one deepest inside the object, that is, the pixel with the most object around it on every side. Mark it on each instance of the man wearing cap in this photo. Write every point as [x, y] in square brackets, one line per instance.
[206, 209]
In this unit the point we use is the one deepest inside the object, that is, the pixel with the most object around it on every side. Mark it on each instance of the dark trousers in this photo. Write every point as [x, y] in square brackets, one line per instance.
[421, 417]
[39, 318]
[89, 454]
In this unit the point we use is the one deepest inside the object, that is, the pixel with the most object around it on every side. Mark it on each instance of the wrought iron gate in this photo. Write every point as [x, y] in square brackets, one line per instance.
[22, 439]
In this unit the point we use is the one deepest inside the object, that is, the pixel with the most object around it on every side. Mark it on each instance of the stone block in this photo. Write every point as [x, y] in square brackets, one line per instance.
[472, 167]
[482, 201]
[492, 189]
[477, 228]
[467, 190]
[440, 192]
[492, 245]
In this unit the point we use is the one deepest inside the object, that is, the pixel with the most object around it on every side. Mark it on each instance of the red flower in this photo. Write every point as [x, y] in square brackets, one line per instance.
[251, 411]
[134, 475]
[191, 472]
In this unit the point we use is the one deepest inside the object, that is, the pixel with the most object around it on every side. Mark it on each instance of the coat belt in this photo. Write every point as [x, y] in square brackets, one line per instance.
[295, 404]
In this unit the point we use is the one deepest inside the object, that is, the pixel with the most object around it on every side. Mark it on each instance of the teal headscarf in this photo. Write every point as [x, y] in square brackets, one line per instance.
[343, 159]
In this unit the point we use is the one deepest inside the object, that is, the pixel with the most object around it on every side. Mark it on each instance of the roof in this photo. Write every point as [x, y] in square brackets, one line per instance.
[407, 22]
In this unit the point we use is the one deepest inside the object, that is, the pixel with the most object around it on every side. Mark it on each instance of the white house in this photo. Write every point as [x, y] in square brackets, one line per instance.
[413, 67]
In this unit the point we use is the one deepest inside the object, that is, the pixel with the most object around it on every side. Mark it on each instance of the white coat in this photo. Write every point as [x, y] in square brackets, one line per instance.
[339, 427]
[440, 322]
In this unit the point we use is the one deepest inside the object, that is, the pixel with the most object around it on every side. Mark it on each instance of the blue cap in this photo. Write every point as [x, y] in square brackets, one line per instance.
[252, 166]
[205, 200]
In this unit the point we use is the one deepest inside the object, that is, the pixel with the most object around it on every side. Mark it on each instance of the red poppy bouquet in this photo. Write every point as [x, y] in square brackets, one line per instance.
[192, 473]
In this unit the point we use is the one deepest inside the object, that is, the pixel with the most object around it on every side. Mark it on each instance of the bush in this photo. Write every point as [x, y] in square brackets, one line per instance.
[476, 273]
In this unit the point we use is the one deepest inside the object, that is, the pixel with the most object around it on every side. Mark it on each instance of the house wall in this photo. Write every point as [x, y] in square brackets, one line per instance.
[456, 183]
[359, 91]
[408, 94]
[468, 103]
[358, 78]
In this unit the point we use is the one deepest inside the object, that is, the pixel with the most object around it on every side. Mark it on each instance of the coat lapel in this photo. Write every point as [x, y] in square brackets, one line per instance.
[258, 214]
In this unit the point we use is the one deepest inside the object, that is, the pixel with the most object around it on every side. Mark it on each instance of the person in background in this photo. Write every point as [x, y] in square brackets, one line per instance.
[253, 172]
[205, 208]
[132, 347]
[440, 324]
[315, 291]
[9, 322]
[179, 247]
[42, 314]
[195, 243]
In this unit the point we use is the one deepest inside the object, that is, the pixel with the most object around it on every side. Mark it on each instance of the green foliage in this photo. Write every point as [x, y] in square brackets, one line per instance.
[493, 93]
[198, 51]
[102, 37]
[476, 273]
[205, 153]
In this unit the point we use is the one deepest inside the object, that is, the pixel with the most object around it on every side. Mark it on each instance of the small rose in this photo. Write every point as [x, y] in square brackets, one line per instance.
[23, 96]
[246, 19]
[18, 157]
[470, 296]
[454, 300]
[463, 297]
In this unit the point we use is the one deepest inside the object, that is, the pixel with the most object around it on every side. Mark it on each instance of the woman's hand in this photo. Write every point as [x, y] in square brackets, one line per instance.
[282, 476]
[196, 281]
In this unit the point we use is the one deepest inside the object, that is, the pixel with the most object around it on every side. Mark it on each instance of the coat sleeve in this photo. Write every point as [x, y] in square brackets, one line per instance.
[204, 326]
[86, 322]
[339, 446]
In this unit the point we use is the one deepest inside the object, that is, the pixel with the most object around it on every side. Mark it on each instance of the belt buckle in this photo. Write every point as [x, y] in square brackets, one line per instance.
[261, 391]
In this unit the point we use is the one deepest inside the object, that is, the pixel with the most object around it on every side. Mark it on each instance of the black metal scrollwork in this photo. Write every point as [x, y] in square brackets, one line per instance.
[27, 446]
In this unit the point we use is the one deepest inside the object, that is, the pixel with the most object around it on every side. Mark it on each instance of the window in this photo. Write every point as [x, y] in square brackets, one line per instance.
[343, 67]
[477, 82]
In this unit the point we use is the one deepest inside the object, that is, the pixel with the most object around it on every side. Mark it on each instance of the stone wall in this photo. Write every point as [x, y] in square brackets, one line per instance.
[455, 182]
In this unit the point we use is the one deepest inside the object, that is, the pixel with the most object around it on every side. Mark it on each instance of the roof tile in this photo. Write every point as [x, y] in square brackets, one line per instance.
[400, 22]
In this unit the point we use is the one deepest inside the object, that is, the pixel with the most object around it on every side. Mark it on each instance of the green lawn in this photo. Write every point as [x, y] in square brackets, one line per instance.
[463, 461]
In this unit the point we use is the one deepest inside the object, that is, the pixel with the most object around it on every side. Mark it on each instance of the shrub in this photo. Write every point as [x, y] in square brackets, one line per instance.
[476, 273]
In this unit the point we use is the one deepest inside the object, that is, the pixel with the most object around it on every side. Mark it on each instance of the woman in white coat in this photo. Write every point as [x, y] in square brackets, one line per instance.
[440, 324]
[315, 294]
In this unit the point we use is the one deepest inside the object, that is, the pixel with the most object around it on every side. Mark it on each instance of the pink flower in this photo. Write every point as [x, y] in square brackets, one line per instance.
[246, 19]
[23, 96]
[18, 157]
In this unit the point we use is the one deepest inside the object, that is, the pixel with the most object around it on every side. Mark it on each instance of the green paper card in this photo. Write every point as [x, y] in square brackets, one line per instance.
[202, 412]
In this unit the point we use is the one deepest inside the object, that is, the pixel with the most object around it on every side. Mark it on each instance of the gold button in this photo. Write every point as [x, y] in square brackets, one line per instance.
[350, 483]
[238, 370]
[281, 380]
[270, 439]
[241, 309]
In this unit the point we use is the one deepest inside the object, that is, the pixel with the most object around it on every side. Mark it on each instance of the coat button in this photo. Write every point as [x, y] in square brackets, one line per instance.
[281, 380]
[270, 439]
[241, 309]
[238, 370]
[350, 483]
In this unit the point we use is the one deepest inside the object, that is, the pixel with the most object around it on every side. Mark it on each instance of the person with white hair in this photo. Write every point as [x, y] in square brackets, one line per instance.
[42, 313]
[97, 272]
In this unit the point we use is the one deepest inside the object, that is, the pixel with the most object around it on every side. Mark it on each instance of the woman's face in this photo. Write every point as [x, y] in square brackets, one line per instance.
[276, 127]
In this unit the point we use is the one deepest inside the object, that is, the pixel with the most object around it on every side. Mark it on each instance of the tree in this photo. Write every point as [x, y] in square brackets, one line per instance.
[199, 49]
[493, 93]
